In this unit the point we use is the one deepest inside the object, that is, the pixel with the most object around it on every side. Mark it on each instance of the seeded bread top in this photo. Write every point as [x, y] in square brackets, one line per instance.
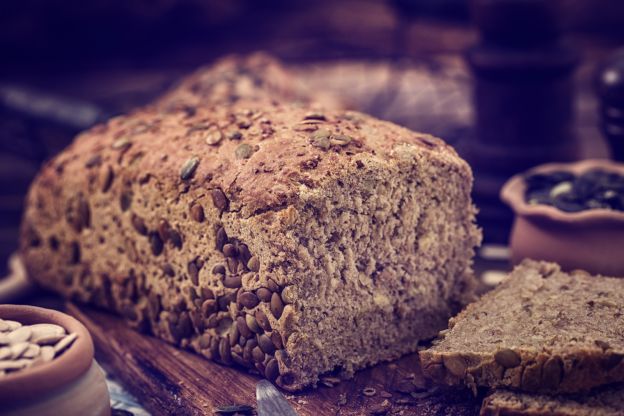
[253, 157]
[539, 308]
[603, 401]
[255, 77]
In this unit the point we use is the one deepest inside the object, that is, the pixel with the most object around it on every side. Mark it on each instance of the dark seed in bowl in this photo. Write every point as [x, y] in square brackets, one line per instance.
[594, 189]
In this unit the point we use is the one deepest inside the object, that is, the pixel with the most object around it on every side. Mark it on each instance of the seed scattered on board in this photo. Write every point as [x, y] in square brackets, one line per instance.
[24, 346]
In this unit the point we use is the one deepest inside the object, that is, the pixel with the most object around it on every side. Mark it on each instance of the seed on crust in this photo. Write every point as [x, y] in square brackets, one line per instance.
[156, 243]
[264, 294]
[232, 282]
[455, 364]
[219, 199]
[253, 264]
[249, 300]
[262, 320]
[507, 358]
[138, 224]
[221, 238]
[266, 344]
[277, 306]
[197, 213]
[272, 370]
[188, 168]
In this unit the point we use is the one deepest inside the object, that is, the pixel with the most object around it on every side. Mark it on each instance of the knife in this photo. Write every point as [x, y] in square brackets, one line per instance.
[271, 402]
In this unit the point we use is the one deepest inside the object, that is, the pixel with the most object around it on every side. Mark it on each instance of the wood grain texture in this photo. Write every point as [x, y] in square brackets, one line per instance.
[169, 381]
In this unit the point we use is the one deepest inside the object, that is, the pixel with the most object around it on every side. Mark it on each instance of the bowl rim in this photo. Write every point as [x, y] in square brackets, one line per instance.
[512, 193]
[36, 382]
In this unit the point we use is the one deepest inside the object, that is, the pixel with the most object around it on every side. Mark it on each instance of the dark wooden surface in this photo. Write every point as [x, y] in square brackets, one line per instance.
[169, 381]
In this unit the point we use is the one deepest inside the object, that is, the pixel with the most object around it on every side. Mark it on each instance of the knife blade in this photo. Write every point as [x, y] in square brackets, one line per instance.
[271, 402]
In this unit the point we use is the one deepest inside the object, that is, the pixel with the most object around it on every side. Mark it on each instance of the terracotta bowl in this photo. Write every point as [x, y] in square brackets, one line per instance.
[591, 240]
[71, 384]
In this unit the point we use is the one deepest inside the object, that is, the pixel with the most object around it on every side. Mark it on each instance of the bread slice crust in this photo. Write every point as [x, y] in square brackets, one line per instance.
[603, 401]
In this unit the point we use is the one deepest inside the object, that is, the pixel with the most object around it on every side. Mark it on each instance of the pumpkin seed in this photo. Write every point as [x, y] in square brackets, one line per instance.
[121, 144]
[214, 137]
[244, 151]
[189, 167]
[320, 139]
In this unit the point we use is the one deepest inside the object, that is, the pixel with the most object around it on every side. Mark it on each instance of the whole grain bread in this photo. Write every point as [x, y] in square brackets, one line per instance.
[287, 241]
[604, 401]
[540, 330]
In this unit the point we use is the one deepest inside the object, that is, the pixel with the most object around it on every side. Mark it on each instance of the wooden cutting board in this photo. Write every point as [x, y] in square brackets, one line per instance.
[170, 381]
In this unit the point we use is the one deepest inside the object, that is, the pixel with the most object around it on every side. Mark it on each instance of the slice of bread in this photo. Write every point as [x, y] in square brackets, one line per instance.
[540, 330]
[605, 401]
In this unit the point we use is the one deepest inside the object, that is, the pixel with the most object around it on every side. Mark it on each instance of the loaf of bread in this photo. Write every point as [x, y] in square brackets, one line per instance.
[289, 242]
[604, 401]
[540, 330]
[258, 77]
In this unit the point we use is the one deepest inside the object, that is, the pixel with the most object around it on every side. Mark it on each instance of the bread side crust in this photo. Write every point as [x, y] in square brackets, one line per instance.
[605, 401]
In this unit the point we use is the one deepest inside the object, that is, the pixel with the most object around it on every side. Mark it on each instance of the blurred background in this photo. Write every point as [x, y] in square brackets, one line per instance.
[510, 83]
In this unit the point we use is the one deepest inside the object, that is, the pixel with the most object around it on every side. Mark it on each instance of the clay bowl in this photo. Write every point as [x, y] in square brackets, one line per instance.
[71, 384]
[590, 240]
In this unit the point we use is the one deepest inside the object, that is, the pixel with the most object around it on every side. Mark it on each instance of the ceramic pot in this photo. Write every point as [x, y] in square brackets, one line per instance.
[591, 240]
[71, 384]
